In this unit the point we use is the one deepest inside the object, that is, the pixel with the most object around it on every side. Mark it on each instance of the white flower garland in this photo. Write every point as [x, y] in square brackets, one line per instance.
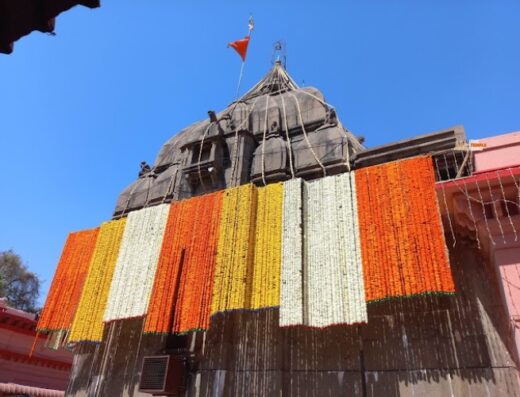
[136, 264]
[291, 295]
[333, 270]
[330, 269]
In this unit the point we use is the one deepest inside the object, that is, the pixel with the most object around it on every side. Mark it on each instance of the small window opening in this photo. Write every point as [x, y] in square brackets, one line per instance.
[205, 155]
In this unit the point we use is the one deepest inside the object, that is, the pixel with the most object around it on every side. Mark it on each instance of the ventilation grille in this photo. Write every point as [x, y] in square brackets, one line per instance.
[153, 375]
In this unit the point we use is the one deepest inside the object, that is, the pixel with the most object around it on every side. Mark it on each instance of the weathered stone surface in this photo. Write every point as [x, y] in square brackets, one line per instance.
[277, 110]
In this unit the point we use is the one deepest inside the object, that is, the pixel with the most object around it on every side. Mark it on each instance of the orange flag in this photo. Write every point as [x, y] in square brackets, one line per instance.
[240, 46]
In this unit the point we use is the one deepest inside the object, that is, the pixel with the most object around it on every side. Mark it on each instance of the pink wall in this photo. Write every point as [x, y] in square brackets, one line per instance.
[45, 369]
[508, 265]
[496, 179]
[501, 151]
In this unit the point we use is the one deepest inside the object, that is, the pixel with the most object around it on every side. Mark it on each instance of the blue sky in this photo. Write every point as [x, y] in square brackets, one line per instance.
[80, 110]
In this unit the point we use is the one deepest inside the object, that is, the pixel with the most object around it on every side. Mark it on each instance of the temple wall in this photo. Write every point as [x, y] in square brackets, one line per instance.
[434, 345]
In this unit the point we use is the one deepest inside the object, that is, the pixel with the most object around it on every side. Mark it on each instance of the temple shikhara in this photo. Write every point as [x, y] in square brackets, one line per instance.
[268, 252]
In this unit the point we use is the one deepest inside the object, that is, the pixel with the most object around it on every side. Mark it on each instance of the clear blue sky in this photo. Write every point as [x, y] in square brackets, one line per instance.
[80, 110]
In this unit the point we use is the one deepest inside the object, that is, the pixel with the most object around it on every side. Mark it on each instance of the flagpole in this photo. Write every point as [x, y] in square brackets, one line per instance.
[240, 79]
[250, 28]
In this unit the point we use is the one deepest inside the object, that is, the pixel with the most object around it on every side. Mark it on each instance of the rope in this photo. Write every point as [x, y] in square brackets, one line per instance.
[96, 353]
[339, 121]
[104, 360]
[505, 204]
[235, 149]
[263, 140]
[170, 185]
[200, 155]
[484, 213]
[516, 185]
[240, 78]
[349, 168]
[305, 134]
[150, 178]
[319, 99]
[445, 201]
[514, 179]
[347, 160]
[461, 169]
[499, 221]
[470, 211]
[139, 344]
[288, 139]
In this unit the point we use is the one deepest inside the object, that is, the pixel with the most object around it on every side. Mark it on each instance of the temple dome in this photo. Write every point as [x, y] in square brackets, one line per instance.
[222, 151]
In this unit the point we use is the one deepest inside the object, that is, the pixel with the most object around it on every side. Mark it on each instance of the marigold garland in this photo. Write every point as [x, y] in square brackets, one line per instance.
[67, 284]
[268, 239]
[88, 321]
[235, 253]
[183, 286]
[136, 264]
[402, 241]
[319, 250]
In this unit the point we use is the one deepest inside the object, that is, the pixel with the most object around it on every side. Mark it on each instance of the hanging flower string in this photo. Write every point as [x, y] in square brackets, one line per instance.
[268, 240]
[181, 295]
[402, 240]
[136, 264]
[319, 250]
[235, 252]
[291, 293]
[334, 289]
[67, 284]
[88, 321]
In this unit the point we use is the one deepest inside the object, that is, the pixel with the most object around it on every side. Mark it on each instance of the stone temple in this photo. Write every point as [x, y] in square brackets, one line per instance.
[272, 133]
[463, 345]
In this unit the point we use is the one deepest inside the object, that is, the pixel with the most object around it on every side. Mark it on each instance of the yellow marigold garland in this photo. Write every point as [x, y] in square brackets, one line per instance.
[268, 241]
[235, 251]
[88, 322]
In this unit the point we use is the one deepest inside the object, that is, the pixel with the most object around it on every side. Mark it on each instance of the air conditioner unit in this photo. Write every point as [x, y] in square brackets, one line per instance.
[163, 375]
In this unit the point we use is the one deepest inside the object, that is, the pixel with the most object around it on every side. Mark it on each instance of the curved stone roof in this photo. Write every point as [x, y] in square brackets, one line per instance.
[300, 131]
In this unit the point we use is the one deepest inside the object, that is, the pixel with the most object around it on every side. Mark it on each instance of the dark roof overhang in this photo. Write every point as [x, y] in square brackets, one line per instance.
[18, 18]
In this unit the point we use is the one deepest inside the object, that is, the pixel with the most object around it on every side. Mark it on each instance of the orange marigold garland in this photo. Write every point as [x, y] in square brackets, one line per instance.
[402, 240]
[68, 280]
[88, 321]
[194, 299]
[183, 286]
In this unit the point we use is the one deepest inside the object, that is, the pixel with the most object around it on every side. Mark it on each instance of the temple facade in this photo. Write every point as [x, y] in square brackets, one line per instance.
[461, 345]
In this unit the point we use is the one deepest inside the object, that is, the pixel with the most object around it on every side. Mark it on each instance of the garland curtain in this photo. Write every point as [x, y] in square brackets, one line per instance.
[291, 292]
[136, 264]
[324, 285]
[183, 286]
[402, 240]
[319, 250]
[235, 252]
[333, 278]
[268, 251]
[67, 284]
[88, 321]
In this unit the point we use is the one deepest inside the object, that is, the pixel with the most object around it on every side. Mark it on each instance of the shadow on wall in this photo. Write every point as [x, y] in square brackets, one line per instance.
[431, 345]
[439, 345]
[112, 368]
